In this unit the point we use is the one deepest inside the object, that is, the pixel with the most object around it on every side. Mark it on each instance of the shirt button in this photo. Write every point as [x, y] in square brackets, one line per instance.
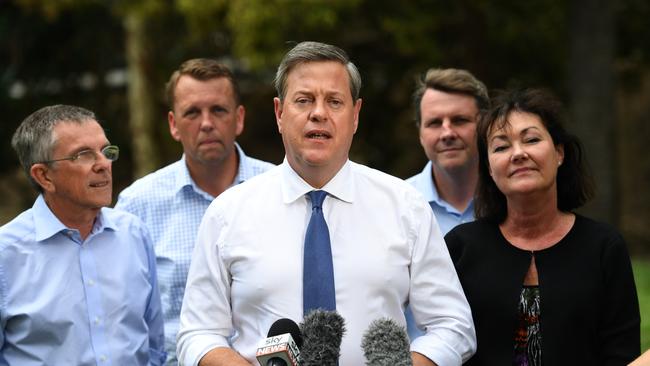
[97, 320]
[102, 358]
[91, 283]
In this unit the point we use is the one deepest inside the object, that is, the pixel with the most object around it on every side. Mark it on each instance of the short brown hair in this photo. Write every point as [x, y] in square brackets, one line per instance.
[450, 81]
[201, 69]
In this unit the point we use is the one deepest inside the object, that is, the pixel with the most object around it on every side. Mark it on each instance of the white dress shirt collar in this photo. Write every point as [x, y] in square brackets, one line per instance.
[341, 186]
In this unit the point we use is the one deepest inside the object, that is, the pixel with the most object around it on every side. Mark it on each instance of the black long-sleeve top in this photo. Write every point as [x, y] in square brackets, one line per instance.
[589, 308]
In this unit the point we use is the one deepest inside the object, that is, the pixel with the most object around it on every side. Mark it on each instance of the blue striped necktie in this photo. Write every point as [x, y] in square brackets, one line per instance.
[318, 272]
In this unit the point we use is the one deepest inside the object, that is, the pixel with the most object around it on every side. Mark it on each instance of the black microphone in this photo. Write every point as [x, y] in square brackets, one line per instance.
[385, 343]
[282, 345]
[322, 333]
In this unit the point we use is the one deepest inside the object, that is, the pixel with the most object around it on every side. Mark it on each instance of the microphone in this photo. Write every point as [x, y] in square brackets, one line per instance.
[322, 332]
[385, 343]
[281, 347]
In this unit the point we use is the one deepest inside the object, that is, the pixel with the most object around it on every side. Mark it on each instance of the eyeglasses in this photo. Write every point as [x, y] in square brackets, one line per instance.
[110, 152]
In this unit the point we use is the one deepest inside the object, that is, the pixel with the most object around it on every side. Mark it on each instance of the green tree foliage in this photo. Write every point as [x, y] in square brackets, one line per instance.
[47, 46]
[392, 43]
[261, 28]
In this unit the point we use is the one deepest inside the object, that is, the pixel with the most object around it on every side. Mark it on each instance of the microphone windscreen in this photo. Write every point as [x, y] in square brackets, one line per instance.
[322, 333]
[283, 326]
[386, 343]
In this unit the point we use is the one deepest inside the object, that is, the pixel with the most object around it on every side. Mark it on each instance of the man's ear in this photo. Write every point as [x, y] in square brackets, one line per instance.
[241, 113]
[277, 107]
[172, 126]
[357, 109]
[41, 174]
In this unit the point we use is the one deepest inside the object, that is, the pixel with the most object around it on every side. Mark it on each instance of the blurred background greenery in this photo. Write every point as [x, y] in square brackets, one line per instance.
[642, 277]
[114, 56]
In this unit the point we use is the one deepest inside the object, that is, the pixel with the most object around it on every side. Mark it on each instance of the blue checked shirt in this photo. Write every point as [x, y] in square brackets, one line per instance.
[172, 205]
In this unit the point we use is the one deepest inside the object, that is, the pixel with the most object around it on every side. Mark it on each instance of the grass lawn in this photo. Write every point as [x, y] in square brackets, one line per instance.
[642, 278]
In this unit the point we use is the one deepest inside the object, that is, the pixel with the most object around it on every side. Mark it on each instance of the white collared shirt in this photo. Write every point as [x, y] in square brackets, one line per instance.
[387, 250]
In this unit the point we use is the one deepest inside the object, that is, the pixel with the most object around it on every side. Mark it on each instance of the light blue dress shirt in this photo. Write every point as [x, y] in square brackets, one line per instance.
[447, 215]
[172, 205]
[67, 301]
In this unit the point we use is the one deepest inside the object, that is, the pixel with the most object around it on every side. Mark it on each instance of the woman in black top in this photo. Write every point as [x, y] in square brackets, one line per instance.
[546, 286]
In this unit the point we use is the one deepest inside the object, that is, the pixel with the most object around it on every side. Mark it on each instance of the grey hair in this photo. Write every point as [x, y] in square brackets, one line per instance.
[305, 52]
[35, 139]
[456, 81]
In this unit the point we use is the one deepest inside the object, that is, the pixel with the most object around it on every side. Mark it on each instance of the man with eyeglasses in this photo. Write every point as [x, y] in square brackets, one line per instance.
[78, 282]
[205, 116]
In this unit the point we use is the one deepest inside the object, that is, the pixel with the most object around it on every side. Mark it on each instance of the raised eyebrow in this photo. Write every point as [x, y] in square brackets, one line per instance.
[301, 93]
[528, 129]
[336, 94]
[500, 137]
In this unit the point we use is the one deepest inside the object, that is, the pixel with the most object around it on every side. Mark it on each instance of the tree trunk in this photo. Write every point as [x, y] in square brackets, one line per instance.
[140, 100]
[591, 88]
[634, 129]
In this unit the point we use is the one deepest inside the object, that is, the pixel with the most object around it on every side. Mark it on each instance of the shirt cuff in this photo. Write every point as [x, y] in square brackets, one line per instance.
[191, 349]
[436, 350]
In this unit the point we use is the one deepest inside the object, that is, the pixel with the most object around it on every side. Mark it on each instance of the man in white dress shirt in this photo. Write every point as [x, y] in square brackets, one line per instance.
[386, 247]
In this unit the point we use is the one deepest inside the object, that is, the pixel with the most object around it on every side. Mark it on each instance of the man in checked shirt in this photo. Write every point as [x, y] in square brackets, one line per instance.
[206, 115]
